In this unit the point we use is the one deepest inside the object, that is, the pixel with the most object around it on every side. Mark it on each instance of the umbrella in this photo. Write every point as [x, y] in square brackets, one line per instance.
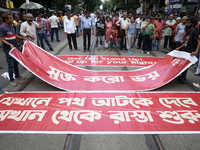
[31, 5]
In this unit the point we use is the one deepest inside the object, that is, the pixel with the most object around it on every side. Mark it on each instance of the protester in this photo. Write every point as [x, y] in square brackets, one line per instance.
[180, 29]
[191, 45]
[61, 21]
[76, 20]
[28, 28]
[54, 27]
[159, 25]
[118, 30]
[130, 34]
[18, 27]
[173, 32]
[1, 22]
[87, 25]
[70, 31]
[16, 21]
[108, 24]
[113, 37]
[41, 31]
[148, 35]
[48, 27]
[167, 32]
[138, 23]
[123, 23]
[8, 38]
[100, 32]
[130, 16]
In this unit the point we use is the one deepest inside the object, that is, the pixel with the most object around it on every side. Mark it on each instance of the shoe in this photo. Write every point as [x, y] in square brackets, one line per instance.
[138, 48]
[196, 85]
[70, 50]
[130, 52]
[148, 53]
[13, 83]
[51, 40]
[51, 49]
[98, 49]
[84, 51]
[142, 52]
[58, 41]
[77, 49]
[20, 78]
[196, 74]
[1, 67]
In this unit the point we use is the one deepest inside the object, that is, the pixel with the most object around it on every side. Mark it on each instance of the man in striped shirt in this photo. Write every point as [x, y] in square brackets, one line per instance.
[8, 38]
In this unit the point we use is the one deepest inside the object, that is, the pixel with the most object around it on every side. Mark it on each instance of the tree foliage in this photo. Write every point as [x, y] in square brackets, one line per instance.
[90, 5]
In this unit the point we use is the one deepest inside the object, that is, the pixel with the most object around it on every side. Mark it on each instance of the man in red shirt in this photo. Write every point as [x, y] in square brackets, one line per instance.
[159, 25]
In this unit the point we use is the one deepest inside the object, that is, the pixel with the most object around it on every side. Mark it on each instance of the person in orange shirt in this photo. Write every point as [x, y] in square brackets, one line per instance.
[76, 20]
[61, 21]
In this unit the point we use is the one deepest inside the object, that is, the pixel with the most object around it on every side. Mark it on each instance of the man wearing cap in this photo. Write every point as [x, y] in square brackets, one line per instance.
[28, 28]
[180, 29]
[173, 32]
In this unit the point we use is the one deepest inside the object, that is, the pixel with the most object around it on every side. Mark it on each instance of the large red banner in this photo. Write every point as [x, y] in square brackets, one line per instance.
[68, 77]
[108, 113]
[110, 60]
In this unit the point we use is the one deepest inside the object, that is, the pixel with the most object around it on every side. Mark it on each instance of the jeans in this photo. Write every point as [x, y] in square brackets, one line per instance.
[44, 36]
[73, 37]
[12, 67]
[118, 42]
[156, 44]
[101, 41]
[52, 34]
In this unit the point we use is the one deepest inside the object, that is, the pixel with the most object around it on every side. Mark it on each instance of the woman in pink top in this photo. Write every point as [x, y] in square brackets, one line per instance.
[47, 25]
[108, 31]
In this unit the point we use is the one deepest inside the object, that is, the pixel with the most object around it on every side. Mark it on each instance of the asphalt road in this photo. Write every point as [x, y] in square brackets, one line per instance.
[94, 142]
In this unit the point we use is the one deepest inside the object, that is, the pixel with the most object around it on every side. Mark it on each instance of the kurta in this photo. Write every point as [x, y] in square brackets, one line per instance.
[108, 30]
[27, 29]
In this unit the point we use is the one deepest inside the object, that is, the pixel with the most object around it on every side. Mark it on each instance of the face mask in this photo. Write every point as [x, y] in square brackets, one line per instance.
[159, 19]
[189, 27]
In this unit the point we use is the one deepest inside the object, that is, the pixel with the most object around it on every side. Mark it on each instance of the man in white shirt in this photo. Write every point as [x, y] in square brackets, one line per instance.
[28, 28]
[70, 31]
[138, 23]
[123, 22]
[54, 26]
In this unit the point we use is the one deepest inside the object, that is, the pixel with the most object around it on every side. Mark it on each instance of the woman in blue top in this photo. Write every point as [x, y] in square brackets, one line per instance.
[130, 34]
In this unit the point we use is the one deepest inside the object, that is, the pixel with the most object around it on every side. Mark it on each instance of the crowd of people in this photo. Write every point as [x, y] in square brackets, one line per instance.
[112, 31]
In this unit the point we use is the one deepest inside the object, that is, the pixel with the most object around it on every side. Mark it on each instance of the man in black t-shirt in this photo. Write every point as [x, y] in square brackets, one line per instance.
[100, 32]
[191, 45]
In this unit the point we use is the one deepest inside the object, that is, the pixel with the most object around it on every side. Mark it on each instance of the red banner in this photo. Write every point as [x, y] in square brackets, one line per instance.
[108, 113]
[68, 77]
[110, 60]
